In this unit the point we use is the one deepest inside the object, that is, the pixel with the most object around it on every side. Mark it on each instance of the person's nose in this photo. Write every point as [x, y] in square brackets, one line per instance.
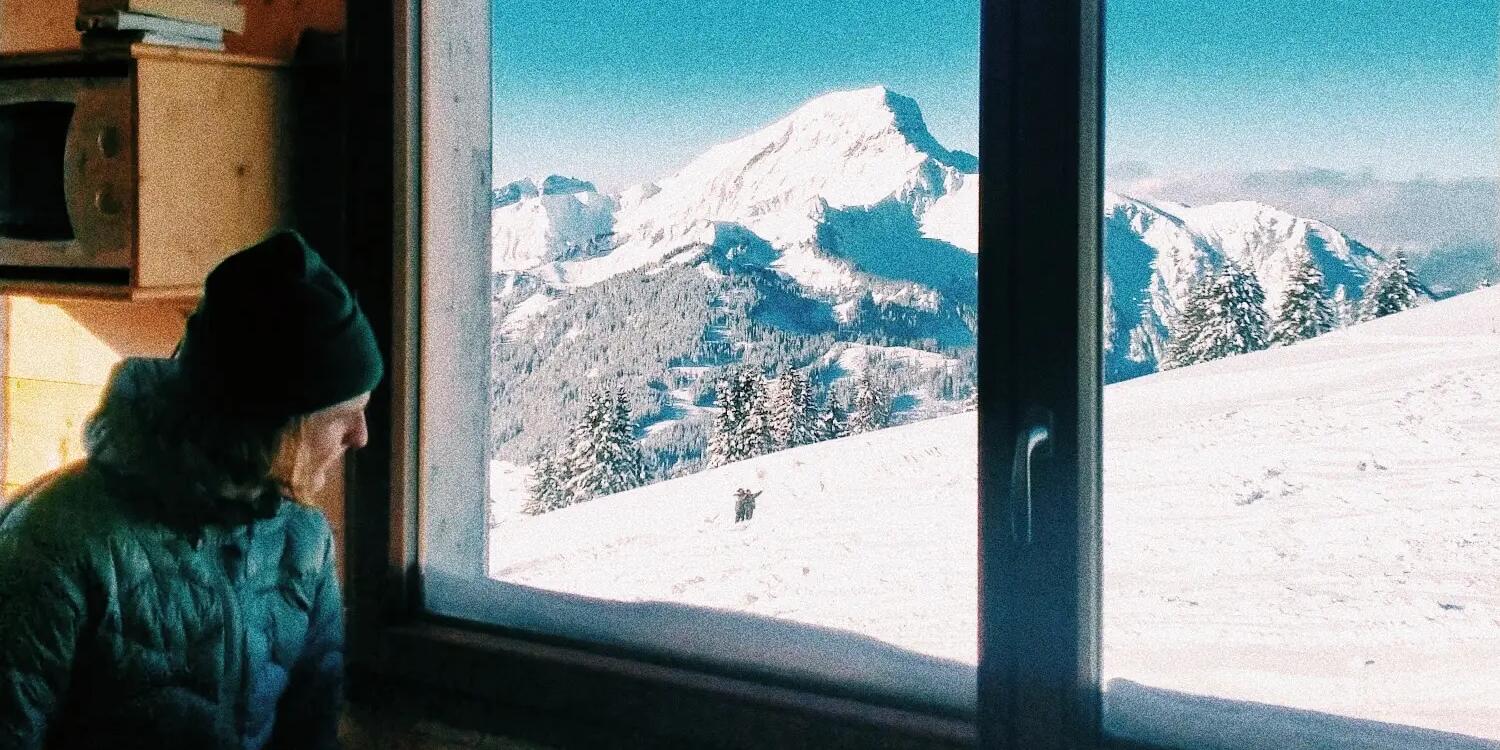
[359, 436]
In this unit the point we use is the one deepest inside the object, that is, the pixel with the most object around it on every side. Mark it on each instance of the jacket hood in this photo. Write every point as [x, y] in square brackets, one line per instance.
[183, 461]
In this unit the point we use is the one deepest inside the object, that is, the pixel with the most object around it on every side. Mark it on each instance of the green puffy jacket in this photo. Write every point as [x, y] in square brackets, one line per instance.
[121, 627]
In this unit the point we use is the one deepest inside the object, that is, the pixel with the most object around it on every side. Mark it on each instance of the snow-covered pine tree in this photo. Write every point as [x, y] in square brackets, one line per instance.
[1305, 310]
[546, 489]
[781, 392]
[742, 425]
[755, 437]
[1225, 314]
[728, 420]
[1392, 289]
[1184, 328]
[793, 413]
[603, 456]
[831, 421]
[872, 406]
[581, 462]
[805, 409]
[627, 468]
[1344, 310]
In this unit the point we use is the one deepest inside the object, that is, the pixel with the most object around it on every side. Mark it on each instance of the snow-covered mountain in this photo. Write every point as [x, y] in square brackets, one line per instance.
[1311, 526]
[1155, 252]
[843, 224]
[841, 232]
[845, 167]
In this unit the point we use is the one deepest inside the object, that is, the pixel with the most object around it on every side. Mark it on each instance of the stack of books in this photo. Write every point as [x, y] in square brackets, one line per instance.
[198, 24]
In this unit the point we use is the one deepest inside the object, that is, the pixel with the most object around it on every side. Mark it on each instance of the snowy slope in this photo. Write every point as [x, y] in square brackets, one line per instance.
[1314, 526]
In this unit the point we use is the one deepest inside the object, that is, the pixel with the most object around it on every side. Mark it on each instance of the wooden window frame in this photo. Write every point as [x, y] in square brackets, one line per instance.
[413, 187]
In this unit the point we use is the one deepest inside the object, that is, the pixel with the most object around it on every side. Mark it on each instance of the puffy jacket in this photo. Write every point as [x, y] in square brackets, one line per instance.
[124, 628]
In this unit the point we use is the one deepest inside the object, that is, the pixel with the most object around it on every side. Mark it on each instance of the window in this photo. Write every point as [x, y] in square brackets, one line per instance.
[1054, 650]
[423, 594]
[731, 364]
[1301, 401]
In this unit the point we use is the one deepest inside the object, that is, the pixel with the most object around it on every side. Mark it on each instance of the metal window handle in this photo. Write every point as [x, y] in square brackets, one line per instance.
[1033, 436]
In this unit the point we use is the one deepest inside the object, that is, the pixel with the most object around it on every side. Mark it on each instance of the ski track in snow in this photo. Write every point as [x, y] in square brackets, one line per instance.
[1315, 526]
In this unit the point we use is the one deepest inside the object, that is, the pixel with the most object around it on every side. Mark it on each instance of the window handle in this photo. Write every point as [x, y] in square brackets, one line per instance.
[1035, 431]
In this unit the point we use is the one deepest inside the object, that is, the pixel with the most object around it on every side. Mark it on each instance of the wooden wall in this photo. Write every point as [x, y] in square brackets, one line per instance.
[58, 355]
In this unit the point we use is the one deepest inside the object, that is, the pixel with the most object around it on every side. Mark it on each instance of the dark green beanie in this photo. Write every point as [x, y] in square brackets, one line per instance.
[277, 334]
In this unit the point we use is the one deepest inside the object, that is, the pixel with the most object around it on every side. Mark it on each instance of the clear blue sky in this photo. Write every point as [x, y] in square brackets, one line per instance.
[619, 92]
[1398, 88]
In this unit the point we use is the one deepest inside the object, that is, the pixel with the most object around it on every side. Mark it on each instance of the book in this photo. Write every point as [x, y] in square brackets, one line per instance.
[110, 39]
[118, 20]
[219, 13]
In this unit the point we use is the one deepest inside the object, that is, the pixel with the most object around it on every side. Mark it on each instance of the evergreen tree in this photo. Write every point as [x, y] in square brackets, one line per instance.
[755, 438]
[603, 457]
[627, 468]
[780, 392]
[872, 406]
[1305, 310]
[1225, 314]
[1392, 289]
[742, 426]
[805, 407]
[831, 422]
[1344, 311]
[793, 413]
[729, 418]
[546, 486]
[581, 469]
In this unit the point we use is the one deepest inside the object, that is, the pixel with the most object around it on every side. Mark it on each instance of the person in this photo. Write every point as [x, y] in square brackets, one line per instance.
[174, 589]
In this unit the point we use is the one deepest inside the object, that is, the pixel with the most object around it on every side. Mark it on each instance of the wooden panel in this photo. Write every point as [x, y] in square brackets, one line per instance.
[46, 425]
[213, 179]
[32, 25]
[57, 359]
[75, 341]
[46, 344]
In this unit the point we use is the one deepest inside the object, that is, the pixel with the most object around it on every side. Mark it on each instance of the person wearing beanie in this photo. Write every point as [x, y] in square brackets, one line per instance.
[174, 589]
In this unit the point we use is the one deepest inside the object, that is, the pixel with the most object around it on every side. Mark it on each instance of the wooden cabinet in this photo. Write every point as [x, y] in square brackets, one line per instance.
[171, 160]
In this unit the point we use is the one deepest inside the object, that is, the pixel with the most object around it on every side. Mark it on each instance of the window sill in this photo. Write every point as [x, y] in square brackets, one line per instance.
[550, 693]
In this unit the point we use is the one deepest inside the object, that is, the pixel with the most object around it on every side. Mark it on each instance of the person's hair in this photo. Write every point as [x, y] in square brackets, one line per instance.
[199, 455]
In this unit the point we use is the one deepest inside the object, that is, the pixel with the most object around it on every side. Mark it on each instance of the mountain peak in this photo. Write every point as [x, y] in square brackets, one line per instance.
[873, 112]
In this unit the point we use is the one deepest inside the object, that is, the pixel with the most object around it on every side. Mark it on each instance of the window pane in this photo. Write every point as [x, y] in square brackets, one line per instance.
[1301, 538]
[734, 255]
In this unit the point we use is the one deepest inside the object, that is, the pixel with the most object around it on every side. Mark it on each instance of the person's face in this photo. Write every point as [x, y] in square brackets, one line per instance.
[328, 434]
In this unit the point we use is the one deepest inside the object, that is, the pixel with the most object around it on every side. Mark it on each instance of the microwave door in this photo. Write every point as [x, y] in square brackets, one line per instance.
[66, 161]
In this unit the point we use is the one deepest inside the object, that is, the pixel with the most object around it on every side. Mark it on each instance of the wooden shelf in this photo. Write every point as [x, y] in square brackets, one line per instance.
[98, 291]
[137, 51]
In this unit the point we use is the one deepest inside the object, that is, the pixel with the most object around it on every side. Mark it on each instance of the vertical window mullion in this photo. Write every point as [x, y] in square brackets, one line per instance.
[1039, 583]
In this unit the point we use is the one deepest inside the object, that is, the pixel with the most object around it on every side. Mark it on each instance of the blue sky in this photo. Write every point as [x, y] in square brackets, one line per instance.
[619, 92]
[1397, 89]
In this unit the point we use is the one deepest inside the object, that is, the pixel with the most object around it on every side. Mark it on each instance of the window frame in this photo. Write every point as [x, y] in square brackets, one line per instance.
[1039, 125]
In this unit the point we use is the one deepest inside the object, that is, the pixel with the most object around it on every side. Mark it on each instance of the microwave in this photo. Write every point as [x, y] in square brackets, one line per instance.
[131, 172]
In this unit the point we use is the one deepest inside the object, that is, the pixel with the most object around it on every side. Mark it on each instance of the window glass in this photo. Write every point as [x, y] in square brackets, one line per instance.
[732, 380]
[1301, 463]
